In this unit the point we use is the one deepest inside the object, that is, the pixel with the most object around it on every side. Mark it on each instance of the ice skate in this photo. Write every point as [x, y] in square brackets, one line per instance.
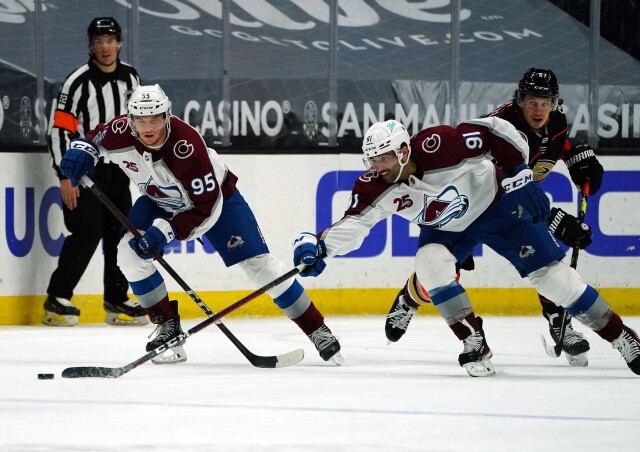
[59, 312]
[398, 318]
[628, 344]
[476, 355]
[574, 345]
[327, 345]
[168, 331]
[125, 313]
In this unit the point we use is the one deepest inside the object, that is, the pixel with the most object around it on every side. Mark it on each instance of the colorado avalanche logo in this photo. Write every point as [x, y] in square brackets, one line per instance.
[119, 126]
[447, 206]
[166, 197]
[234, 242]
[182, 149]
[368, 176]
[526, 251]
[431, 144]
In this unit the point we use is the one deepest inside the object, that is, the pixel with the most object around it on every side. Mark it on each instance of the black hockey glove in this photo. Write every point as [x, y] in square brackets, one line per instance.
[569, 230]
[583, 164]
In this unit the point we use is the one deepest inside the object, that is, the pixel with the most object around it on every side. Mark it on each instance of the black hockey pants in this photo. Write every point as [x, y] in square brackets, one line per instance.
[89, 222]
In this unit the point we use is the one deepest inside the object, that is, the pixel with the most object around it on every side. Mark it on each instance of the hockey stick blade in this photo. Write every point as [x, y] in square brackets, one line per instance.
[264, 362]
[555, 350]
[550, 349]
[284, 360]
[255, 360]
[88, 371]
[115, 372]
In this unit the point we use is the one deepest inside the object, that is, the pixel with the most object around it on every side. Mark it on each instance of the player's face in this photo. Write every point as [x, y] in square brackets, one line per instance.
[387, 166]
[105, 49]
[536, 110]
[151, 130]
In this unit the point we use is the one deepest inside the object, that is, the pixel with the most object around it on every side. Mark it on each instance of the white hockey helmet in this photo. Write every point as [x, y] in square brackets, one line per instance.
[383, 137]
[148, 100]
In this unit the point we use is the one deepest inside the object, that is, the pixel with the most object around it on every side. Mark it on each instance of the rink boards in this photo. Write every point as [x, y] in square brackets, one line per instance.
[295, 193]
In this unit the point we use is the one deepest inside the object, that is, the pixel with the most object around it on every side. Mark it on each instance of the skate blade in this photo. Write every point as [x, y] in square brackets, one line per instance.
[482, 368]
[580, 360]
[391, 341]
[53, 319]
[124, 320]
[174, 355]
[337, 359]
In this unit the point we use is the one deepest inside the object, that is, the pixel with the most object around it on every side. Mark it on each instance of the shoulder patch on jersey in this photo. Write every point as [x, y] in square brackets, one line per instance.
[119, 126]
[431, 144]
[183, 149]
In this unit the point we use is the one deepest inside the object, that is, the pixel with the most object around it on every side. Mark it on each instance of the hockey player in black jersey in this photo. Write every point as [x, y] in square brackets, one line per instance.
[536, 111]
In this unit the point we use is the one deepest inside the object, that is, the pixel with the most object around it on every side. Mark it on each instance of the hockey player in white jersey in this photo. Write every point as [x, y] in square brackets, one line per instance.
[187, 191]
[464, 186]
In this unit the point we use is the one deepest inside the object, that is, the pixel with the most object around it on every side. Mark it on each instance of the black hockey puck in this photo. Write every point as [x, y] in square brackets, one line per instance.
[45, 376]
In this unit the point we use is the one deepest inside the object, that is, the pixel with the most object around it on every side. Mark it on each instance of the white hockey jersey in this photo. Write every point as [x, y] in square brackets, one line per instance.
[456, 180]
[184, 177]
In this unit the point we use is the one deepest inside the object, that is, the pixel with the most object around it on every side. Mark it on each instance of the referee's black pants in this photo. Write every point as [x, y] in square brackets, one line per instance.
[89, 222]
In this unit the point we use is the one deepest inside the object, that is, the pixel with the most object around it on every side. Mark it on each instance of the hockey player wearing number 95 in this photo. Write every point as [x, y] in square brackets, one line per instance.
[463, 186]
[536, 111]
[187, 192]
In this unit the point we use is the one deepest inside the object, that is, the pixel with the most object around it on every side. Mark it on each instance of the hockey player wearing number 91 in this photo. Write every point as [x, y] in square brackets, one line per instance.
[187, 192]
[463, 186]
[536, 111]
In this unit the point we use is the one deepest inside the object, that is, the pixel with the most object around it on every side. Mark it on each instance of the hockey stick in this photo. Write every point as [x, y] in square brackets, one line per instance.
[115, 372]
[554, 351]
[256, 360]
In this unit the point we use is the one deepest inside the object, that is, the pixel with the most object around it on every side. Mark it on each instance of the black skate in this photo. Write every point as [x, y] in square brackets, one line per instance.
[628, 344]
[167, 331]
[574, 345]
[476, 356]
[59, 312]
[327, 345]
[125, 313]
[398, 318]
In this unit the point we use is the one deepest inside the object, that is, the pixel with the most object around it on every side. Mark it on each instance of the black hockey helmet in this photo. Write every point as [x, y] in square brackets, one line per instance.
[104, 26]
[539, 83]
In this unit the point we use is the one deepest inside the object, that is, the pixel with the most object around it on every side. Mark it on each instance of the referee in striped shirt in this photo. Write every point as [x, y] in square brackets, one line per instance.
[94, 93]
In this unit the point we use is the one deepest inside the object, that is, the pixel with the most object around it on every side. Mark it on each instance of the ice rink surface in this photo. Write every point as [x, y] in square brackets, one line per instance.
[411, 395]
